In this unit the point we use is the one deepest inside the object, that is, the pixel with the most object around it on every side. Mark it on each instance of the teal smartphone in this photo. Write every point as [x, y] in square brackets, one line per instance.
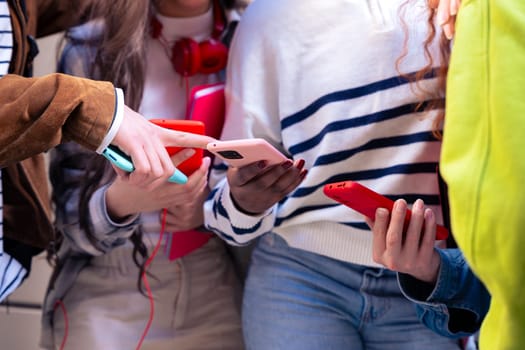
[123, 161]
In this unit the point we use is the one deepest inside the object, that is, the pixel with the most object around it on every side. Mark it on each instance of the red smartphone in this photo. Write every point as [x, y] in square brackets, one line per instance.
[239, 153]
[195, 127]
[366, 201]
[208, 106]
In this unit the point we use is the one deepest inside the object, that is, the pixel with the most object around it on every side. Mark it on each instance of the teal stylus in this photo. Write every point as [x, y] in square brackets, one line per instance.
[123, 161]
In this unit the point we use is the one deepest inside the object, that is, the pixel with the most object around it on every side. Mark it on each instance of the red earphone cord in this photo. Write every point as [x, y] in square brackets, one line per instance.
[60, 303]
[145, 278]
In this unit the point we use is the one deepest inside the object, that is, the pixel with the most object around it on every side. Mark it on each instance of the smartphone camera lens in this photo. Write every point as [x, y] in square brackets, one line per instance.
[231, 154]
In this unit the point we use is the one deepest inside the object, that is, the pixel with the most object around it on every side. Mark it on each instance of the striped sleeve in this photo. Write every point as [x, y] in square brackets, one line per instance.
[12, 272]
[233, 226]
[6, 38]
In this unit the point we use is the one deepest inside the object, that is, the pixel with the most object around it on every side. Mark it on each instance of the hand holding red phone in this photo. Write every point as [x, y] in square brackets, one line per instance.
[124, 198]
[411, 252]
[189, 214]
[145, 144]
[365, 201]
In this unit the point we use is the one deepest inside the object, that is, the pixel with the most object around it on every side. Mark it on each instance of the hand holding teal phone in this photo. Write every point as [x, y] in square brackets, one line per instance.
[123, 161]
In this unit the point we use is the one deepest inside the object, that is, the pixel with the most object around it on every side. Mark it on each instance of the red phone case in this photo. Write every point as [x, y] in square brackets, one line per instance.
[366, 201]
[208, 106]
[195, 127]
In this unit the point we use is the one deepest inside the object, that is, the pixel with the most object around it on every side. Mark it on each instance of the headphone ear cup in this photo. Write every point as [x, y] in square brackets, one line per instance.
[213, 56]
[186, 57]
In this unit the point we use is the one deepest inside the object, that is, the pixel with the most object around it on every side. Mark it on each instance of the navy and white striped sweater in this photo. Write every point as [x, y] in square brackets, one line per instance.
[319, 81]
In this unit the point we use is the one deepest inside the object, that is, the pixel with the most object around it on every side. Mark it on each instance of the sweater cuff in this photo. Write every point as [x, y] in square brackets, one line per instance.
[101, 220]
[13, 274]
[414, 289]
[117, 121]
[241, 218]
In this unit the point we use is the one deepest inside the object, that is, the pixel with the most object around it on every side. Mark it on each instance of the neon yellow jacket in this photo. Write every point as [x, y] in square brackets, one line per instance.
[483, 158]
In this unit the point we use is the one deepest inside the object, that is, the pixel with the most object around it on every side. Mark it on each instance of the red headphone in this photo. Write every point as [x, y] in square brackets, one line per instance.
[189, 57]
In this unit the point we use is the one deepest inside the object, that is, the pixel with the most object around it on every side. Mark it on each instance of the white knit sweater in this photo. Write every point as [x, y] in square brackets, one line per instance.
[318, 79]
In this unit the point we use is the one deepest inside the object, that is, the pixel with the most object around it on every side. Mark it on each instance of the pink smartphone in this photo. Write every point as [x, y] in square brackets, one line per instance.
[239, 153]
[366, 201]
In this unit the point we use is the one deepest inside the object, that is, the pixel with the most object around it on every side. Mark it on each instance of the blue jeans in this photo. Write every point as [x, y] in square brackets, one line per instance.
[295, 299]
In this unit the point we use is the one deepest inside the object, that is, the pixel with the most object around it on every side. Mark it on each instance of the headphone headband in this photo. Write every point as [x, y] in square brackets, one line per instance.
[219, 20]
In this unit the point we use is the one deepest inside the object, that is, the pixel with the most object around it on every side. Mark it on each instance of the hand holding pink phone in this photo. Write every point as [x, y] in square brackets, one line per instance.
[255, 188]
[366, 201]
[239, 153]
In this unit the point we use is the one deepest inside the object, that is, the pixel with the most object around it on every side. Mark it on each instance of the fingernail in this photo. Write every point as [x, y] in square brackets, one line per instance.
[261, 164]
[398, 205]
[418, 204]
[287, 164]
[382, 212]
[178, 177]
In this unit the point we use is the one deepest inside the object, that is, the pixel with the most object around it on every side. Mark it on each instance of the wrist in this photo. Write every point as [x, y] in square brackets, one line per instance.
[118, 208]
[241, 209]
[430, 274]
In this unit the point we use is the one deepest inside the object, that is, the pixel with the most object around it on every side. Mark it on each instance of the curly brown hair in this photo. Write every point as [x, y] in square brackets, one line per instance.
[429, 100]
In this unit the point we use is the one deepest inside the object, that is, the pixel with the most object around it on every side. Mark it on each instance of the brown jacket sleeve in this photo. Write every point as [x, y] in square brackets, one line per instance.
[37, 114]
